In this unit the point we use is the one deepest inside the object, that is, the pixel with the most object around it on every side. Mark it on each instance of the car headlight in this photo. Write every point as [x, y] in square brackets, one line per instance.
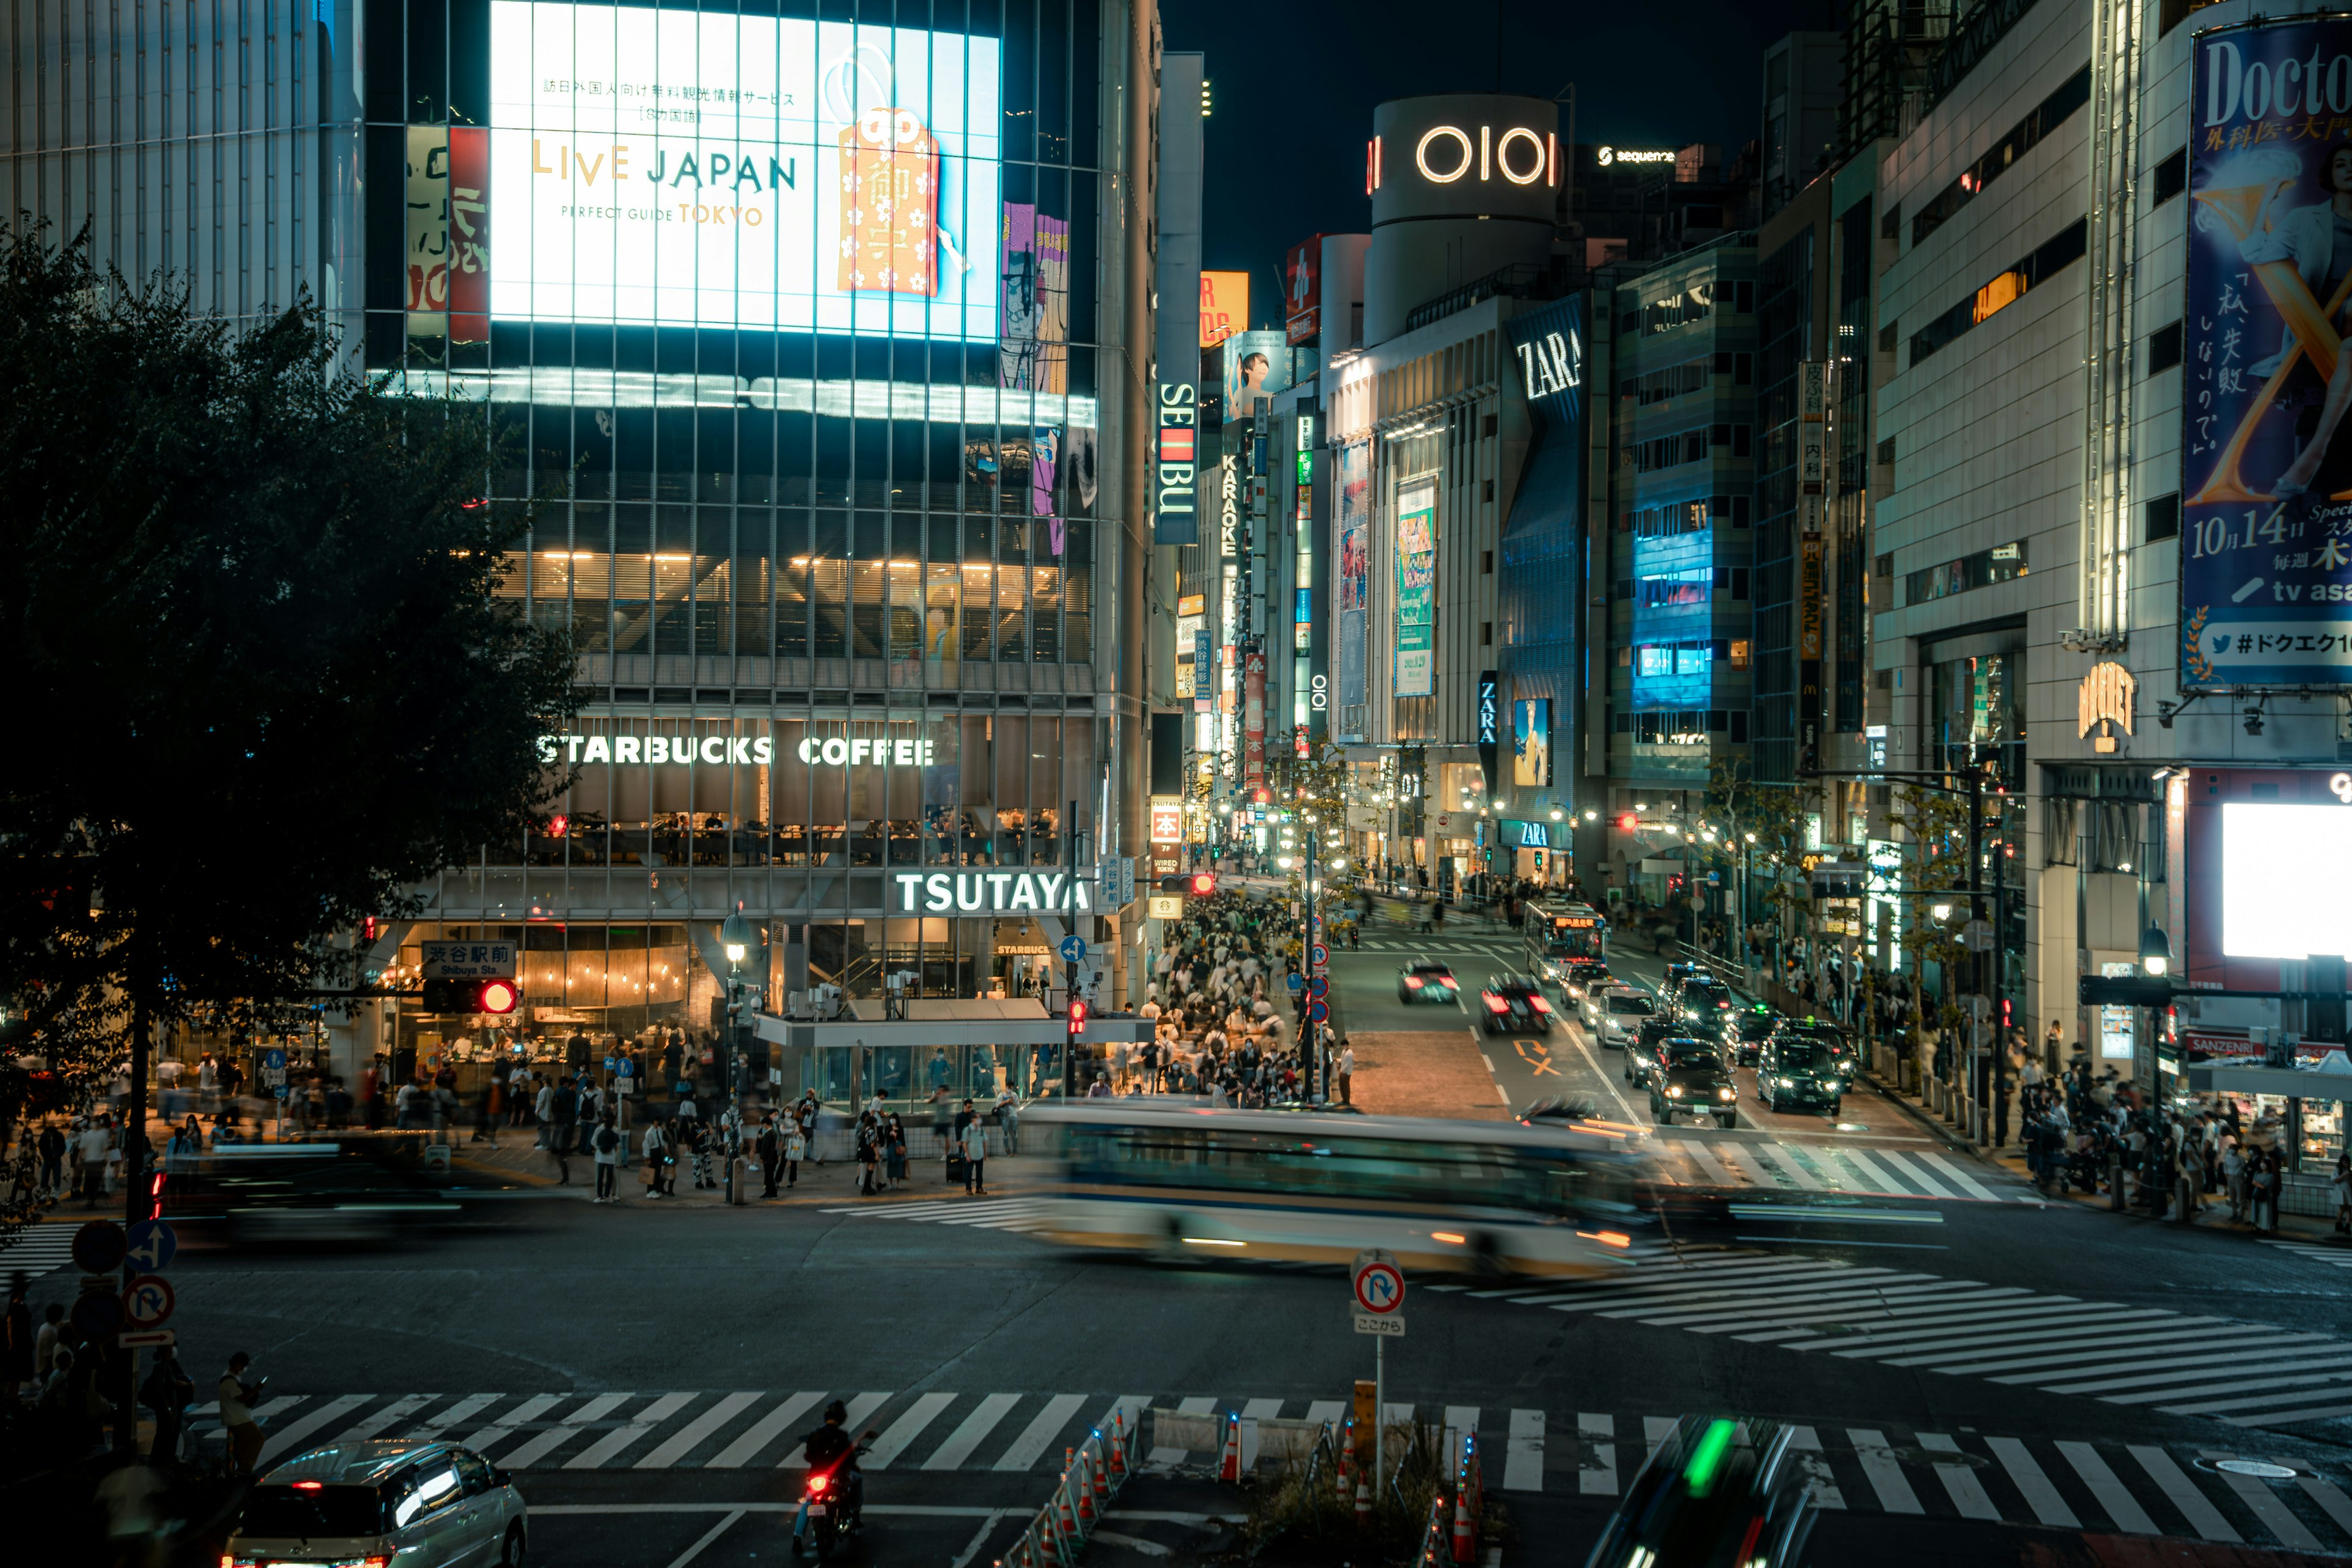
[1725, 1093]
[1673, 1092]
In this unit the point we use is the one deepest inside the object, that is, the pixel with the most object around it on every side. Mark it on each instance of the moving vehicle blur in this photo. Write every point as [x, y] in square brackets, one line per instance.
[1426, 980]
[1716, 1492]
[421, 1504]
[357, 1190]
[1693, 1077]
[1479, 1198]
[1514, 1002]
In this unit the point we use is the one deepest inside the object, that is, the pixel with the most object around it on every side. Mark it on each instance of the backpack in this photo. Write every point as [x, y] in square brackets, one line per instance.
[608, 1140]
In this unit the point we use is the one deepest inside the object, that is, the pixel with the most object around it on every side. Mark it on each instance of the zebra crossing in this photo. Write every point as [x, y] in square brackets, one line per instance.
[2135, 1488]
[2312, 1251]
[1875, 1172]
[2239, 1374]
[981, 1214]
[39, 1249]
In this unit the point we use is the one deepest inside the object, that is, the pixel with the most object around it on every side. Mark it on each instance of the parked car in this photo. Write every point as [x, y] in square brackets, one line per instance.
[421, 1504]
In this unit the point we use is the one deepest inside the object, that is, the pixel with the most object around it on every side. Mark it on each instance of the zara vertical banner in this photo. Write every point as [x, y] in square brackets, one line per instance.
[2266, 455]
[1416, 588]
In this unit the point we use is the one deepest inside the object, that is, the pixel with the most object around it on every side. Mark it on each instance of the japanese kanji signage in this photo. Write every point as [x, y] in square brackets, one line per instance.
[2266, 460]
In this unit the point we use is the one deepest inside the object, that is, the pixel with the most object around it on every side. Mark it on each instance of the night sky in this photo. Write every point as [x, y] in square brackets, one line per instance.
[1294, 83]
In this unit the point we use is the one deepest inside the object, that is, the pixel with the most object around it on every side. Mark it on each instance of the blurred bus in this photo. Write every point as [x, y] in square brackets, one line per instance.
[1558, 932]
[1492, 1198]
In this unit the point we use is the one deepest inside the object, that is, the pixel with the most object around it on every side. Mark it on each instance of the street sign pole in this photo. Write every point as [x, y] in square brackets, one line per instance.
[1376, 1289]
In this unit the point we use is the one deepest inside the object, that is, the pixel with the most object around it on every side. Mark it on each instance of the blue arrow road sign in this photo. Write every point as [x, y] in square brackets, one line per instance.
[1074, 947]
[153, 1245]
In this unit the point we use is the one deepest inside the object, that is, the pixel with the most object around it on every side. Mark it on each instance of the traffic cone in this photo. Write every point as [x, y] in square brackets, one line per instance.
[1085, 1492]
[1041, 1534]
[1363, 1503]
[1102, 1472]
[1347, 1464]
[1118, 1445]
[1466, 1545]
[1229, 1468]
[1071, 1535]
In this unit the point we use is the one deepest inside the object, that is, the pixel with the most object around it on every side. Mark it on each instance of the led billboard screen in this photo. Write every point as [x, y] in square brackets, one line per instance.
[2284, 871]
[696, 169]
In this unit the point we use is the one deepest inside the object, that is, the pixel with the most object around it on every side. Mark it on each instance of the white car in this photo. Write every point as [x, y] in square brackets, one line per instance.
[422, 1505]
[1615, 1015]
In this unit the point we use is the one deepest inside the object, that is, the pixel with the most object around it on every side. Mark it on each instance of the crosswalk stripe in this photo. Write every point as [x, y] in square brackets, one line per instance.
[951, 1453]
[2032, 1484]
[1881, 1470]
[531, 1409]
[904, 1430]
[1700, 1156]
[2331, 1501]
[1673, 1282]
[2113, 1495]
[2183, 1493]
[535, 1448]
[692, 1434]
[1785, 1157]
[1861, 1161]
[762, 1432]
[1949, 1345]
[1596, 1453]
[2067, 1362]
[1523, 1459]
[1657, 1429]
[1952, 1172]
[1334, 1411]
[1806, 1444]
[1129, 1408]
[464, 1410]
[859, 1410]
[1199, 1405]
[2289, 1418]
[2310, 1375]
[1906, 1308]
[2267, 1506]
[1741, 1158]
[1262, 1409]
[610, 1446]
[1035, 1437]
[1918, 1177]
[2140, 1379]
[283, 1439]
[392, 1414]
[1967, 1492]
[1798, 1293]
[39, 1249]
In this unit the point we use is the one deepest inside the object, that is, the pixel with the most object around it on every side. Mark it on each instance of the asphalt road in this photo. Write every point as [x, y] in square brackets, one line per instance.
[1982, 1379]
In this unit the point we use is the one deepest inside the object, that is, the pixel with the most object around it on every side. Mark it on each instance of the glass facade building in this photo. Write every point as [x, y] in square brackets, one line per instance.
[795, 323]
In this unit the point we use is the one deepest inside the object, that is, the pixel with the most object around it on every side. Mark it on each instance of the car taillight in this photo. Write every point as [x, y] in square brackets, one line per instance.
[1413, 980]
[1447, 981]
[1496, 1004]
[1540, 1004]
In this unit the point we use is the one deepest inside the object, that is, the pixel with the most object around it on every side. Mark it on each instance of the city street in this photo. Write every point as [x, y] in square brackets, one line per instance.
[1979, 1376]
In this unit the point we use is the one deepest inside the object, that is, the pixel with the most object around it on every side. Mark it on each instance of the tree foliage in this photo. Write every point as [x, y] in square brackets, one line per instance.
[264, 682]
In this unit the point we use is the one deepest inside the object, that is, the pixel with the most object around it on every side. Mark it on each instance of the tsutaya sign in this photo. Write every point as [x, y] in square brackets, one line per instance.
[993, 892]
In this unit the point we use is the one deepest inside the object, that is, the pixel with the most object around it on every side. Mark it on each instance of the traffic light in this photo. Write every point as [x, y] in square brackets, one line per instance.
[1204, 884]
[2124, 991]
[1077, 1017]
[1627, 823]
[496, 996]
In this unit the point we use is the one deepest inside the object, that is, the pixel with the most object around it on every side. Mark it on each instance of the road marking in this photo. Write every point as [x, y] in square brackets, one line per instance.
[1034, 1438]
[1596, 1454]
[393, 1413]
[1861, 1161]
[980, 1537]
[1584, 1051]
[536, 1449]
[1657, 1429]
[1954, 1174]
[1334, 1411]
[465, 1409]
[2267, 1506]
[691, 1436]
[531, 1409]
[2183, 1493]
[1741, 1157]
[904, 1430]
[967, 1436]
[1880, 1469]
[1902, 1165]
[762, 1432]
[2230, 1359]
[2121, 1506]
[1806, 1444]
[1706, 1161]
[283, 1441]
[1785, 1159]
[1959, 1480]
[859, 1410]
[610, 1445]
[1523, 1460]
[713, 1533]
[2334, 1503]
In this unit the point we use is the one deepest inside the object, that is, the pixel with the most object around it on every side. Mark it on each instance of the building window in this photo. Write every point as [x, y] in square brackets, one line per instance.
[1886, 450]
[2171, 177]
[1739, 654]
[2051, 258]
[1999, 564]
[1490, 489]
[1887, 339]
[2164, 349]
[2051, 113]
[2163, 515]
[1883, 566]
[1486, 634]
[1487, 563]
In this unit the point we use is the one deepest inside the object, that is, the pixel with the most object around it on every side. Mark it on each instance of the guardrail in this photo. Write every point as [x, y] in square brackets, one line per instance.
[1092, 1475]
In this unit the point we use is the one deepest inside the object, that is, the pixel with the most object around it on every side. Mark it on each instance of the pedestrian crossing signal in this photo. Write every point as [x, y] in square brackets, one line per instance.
[1077, 1017]
[1204, 884]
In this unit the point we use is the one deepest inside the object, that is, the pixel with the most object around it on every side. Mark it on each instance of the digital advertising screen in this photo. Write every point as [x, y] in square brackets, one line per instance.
[696, 169]
[1531, 741]
[2266, 454]
[1416, 589]
[2284, 870]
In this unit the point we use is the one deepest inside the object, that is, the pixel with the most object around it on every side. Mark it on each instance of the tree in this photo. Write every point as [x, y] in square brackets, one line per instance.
[264, 685]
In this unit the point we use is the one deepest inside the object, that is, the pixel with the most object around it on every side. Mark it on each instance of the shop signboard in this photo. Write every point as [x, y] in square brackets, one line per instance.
[1257, 366]
[1351, 471]
[1167, 819]
[1416, 589]
[2116, 1023]
[1302, 273]
[2265, 522]
[997, 892]
[693, 169]
[1254, 718]
[1224, 306]
[457, 960]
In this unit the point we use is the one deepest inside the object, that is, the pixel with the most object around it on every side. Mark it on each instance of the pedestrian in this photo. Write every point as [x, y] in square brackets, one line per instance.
[868, 1153]
[97, 1139]
[975, 1157]
[168, 1392]
[2344, 1194]
[1347, 1072]
[18, 1338]
[656, 1146]
[701, 1143]
[236, 1419]
[52, 1146]
[795, 1147]
[894, 1149]
[563, 1105]
[605, 1144]
[47, 1345]
[2189, 1177]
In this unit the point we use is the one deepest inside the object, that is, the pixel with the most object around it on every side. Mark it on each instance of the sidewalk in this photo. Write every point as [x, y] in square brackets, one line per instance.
[517, 1160]
[1424, 1073]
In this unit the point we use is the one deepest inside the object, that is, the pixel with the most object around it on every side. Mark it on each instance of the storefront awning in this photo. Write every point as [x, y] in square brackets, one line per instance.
[2220, 1078]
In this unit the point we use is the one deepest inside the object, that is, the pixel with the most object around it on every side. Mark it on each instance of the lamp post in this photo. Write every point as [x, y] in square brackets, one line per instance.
[736, 936]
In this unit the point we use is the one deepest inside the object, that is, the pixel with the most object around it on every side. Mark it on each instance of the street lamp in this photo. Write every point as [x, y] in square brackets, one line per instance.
[2155, 951]
[735, 935]
[1556, 813]
[1941, 911]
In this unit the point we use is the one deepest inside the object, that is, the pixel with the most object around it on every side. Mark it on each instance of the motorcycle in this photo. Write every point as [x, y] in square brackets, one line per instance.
[832, 1509]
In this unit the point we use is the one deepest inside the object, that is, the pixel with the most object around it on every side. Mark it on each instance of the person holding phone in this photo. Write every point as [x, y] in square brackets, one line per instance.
[238, 1398]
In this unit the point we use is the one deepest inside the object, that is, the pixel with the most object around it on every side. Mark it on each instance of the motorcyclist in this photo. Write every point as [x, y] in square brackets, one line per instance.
[831, 1449]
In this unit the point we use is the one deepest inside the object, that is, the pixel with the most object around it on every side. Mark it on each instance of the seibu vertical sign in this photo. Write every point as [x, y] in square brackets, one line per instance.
[1176, 488]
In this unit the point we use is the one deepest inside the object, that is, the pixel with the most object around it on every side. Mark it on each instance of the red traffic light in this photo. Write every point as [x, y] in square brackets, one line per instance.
[1077, 1017]
[1204, 883]
[1627, 823]
[468, 996]
[496, 996]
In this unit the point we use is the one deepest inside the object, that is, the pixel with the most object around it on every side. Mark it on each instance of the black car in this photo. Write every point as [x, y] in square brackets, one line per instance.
[1426, 980]
[1675, 976]
[1515, 1002]
[1705, 1000]
[1717, 1493]
[1692, 1078]
[1642, 1052]
[1828, 1036]
[1750, 1029]
[1795, 1071]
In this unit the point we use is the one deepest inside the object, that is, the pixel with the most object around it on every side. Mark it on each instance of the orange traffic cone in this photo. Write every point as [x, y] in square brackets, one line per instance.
[1229, 1468]
[1363, 1504]
[1466, 1544]
[1118, 1444]
[1102, 1472]
[1085, 1492]
[1347, 1464]
[1041, 1530]
[1068, 1522]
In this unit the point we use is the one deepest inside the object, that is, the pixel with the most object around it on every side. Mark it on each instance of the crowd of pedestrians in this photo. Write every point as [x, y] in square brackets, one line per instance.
[1216, 1030]
[2096, 1135]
